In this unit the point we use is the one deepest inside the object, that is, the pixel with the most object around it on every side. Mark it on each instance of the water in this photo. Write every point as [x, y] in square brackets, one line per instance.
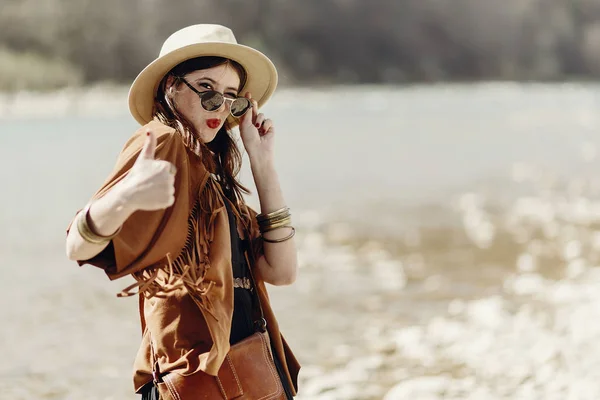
[428, 217]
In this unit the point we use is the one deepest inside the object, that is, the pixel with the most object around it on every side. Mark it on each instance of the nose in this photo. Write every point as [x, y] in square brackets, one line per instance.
[225, 106]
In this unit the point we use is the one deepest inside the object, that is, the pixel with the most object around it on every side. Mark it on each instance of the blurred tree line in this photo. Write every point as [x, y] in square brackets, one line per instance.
[311, 41]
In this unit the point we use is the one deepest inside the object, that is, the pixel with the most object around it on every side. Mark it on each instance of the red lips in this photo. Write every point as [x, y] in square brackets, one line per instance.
[213, 123]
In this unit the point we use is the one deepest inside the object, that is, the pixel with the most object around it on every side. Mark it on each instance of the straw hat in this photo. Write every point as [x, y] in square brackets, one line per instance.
[196, 41]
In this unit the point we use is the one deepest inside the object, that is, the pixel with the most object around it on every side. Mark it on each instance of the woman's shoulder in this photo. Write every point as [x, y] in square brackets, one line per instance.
[168, 141]
[161, 131]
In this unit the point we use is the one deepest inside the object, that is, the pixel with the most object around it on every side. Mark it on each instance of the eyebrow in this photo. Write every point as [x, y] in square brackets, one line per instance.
[216, 83]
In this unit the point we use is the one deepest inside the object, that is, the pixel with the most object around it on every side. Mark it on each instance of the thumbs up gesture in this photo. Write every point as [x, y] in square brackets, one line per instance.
[150, 184]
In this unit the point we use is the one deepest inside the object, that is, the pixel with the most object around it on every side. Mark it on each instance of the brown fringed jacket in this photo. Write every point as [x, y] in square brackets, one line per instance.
[181, 260]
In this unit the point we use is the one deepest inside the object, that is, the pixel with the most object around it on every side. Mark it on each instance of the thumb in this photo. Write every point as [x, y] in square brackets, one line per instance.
[149, 148]
[248, 118]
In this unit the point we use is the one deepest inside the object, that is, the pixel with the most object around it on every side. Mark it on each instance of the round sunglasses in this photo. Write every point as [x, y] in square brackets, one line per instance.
[211, 100]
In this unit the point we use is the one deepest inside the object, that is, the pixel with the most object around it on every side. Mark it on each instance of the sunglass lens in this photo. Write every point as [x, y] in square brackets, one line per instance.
[239, 106]
[211, 100]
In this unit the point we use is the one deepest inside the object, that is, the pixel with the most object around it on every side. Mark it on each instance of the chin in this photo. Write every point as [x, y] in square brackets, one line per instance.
[208, 135]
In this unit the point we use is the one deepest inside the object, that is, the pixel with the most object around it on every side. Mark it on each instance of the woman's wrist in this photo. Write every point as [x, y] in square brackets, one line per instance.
[264, 173]
[266, 181]
[106, 215]
[261, 163]
[124, 196]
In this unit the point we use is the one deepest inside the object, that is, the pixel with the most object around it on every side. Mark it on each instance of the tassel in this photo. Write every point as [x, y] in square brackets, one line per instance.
[189, 268]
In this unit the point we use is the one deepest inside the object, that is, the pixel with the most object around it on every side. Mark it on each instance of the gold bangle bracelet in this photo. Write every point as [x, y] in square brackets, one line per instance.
[273, 226]
[274, 214]
[87, 233]
[288, 237]
[84, 230]
[275, 219]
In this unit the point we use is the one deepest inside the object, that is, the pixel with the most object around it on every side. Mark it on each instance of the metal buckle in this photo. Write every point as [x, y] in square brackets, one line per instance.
[260, 325]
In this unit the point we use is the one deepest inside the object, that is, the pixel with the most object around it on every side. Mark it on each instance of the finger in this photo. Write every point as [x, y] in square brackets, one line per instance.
[254, 109]
[171, 168]
[260, 118]
[149, 148]
[254, 106]
[270, 133]
[167, 166]
[266, 125]
[246, 119]
[166, 189]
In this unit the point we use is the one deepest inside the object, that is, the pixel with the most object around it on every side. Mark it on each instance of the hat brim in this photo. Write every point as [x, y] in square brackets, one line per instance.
[261, 75]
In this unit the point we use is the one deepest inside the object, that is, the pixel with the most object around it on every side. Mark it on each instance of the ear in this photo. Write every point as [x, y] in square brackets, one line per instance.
[170, 86]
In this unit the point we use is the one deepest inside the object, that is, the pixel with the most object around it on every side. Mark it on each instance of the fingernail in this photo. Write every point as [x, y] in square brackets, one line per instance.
[257, 125]
[148, 133]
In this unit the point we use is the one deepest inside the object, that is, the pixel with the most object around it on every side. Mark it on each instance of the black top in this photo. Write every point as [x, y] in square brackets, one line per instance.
[242, 324]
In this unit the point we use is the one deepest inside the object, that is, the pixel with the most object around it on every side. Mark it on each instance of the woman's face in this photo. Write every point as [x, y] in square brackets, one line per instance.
[222, 78]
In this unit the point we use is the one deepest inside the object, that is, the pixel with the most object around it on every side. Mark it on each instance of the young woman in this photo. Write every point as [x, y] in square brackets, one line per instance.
[172, 216]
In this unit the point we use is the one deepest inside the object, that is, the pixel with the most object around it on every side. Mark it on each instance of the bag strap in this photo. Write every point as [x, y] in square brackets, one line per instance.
[260, 324]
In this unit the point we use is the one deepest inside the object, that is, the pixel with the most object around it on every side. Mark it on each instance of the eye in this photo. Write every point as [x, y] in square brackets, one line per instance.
[231, 95]
[205, 85]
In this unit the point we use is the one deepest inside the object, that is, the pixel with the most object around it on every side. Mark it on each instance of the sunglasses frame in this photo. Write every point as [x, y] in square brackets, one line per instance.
[225, 99]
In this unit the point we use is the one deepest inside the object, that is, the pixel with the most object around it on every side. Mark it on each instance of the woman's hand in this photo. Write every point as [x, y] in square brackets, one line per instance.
[258, 135]
[150, 184]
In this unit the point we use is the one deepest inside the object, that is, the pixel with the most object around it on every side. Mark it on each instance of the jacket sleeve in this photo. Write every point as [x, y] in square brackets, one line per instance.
[134, 248]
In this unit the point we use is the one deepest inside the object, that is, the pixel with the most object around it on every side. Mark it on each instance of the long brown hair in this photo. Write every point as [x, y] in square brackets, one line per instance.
[221, 156]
